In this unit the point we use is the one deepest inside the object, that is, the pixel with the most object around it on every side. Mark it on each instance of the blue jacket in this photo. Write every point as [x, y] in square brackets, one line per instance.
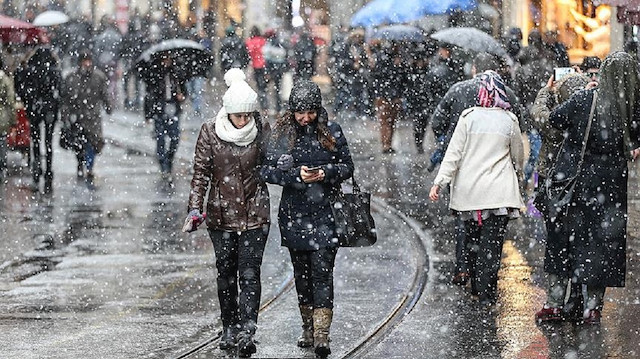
[305, 217]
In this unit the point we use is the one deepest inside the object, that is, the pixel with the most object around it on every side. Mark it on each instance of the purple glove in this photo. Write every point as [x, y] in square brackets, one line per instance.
[285, 162]
[193, 220]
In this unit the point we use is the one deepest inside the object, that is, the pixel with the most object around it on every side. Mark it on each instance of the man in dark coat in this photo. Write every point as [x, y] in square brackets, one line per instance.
[38, 85]
[233, 51]
[85, 94]
[304, 52]
[427, 88]
[163, 105]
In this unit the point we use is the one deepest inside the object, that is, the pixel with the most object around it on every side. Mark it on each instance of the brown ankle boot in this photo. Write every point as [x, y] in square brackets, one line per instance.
[306, 339]
[321, 323]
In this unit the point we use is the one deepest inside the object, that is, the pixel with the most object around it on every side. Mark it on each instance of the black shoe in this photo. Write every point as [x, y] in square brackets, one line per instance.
[228, 338]
[246, 345]
[432, 166]
[388, 151]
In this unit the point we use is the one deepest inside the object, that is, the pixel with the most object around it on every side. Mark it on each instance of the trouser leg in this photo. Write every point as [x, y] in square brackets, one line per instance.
[462, 249]
[250, 250]
[3, 152]
[595, 297]
[173, 132]
[322, 263]
[160, 132]
[556, 290]
[301, 261]
[48, 143]
[261, 84]
[420, 122]
[36, 157]
[89, 156]
[384, 109]
[488, 239]
[225, 246]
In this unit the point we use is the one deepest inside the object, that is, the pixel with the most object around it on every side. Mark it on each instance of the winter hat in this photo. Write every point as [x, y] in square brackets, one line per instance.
[305, 95]
[240, 97]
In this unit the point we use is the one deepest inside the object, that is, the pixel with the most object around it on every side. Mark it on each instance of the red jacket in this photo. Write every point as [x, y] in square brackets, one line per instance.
[254, 45]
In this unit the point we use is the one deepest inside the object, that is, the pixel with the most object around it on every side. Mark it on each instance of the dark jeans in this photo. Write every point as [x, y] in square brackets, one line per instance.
[486, 249]
[463, 249]
[313, 272]
[166, 128]
[86, 157]
[238, 260]
[261, 85]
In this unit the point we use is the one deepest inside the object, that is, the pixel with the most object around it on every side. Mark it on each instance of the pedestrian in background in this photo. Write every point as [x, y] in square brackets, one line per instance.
[597, 218]
[255, 43]
[304, 53]
[482, 165]
[229, 151]
[84, 94]
[7, 114]
[388, 72]
[38, 85]
[556, 260]
[233, 51]
[163, 105]
[309, 157]
[275, 56]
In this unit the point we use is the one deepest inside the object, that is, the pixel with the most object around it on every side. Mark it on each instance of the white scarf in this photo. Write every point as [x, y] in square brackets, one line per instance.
[229, 133]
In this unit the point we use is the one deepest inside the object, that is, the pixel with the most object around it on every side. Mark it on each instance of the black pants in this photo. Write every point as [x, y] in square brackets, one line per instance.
[260, 76]
[313, 272]
[486, 249]
[463, 249]
[48, 120]
[238, 260]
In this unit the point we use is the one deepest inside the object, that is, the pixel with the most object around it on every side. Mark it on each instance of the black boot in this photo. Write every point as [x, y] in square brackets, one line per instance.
[574, 308]
[228, 338]
[246, 345]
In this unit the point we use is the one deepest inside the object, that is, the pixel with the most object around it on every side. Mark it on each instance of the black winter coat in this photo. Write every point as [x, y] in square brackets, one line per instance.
[597, 220]
[305, 217]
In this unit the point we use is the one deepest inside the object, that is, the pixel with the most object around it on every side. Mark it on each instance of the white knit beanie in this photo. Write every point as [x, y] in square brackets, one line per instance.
[240, 97]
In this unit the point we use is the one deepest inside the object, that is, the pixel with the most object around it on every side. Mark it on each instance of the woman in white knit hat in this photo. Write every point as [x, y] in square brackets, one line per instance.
[227, 158]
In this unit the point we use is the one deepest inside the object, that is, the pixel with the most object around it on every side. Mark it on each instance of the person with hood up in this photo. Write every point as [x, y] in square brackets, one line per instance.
[556, 262]
[84, 93]
[228, 155]
[482, 165]
[597, 219]
[309, 157]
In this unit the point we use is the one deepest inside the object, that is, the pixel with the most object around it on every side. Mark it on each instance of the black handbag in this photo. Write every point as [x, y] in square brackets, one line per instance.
[69, 136]
[353, 221]
[559, 192]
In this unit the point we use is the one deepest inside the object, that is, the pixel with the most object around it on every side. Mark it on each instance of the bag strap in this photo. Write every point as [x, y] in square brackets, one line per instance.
[586, 133]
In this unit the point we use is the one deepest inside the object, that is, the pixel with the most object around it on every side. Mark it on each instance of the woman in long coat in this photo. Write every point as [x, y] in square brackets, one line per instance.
[309, 158]
[228, 155]
[597, 218]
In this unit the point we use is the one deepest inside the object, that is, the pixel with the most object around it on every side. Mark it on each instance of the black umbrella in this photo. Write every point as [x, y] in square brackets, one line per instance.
[190, 59]
[471, 39]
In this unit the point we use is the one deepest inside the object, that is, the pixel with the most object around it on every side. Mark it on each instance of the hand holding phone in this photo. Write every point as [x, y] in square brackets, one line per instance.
[315, 169]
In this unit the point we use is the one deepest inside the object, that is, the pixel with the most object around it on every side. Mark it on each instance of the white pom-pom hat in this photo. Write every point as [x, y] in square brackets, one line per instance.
[240, 97]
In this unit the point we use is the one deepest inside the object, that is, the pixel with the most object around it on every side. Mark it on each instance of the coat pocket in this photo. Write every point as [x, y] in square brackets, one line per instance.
[214, 206]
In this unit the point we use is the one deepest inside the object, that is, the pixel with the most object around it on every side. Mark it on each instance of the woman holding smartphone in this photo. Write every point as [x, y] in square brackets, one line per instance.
[228, 155]
[309, 157]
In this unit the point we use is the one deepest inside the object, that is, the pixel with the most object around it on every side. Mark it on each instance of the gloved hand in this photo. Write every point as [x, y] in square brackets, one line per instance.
[193, 220]
[285, 162]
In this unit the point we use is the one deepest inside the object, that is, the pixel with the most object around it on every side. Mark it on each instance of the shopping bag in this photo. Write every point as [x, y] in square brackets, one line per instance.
[19, 135]
[354, 224]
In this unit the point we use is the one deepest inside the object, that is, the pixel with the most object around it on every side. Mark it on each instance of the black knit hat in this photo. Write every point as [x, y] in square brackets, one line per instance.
[305, 95]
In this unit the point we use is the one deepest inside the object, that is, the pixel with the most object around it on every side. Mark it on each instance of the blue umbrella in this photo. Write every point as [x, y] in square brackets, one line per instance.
[398, 33]
[379, 12]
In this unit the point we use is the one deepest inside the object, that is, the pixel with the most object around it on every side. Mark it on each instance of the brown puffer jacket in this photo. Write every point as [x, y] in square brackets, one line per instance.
[238, 198]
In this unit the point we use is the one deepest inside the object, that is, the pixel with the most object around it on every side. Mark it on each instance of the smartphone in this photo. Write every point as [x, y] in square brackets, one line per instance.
[560, 72]
[314, 169]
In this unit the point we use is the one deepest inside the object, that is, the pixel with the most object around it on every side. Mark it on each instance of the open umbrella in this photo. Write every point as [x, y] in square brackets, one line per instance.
[189, 57]
[398, 33]
[14, 31]
[471, 39]
[379, 12]
[50, 18]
